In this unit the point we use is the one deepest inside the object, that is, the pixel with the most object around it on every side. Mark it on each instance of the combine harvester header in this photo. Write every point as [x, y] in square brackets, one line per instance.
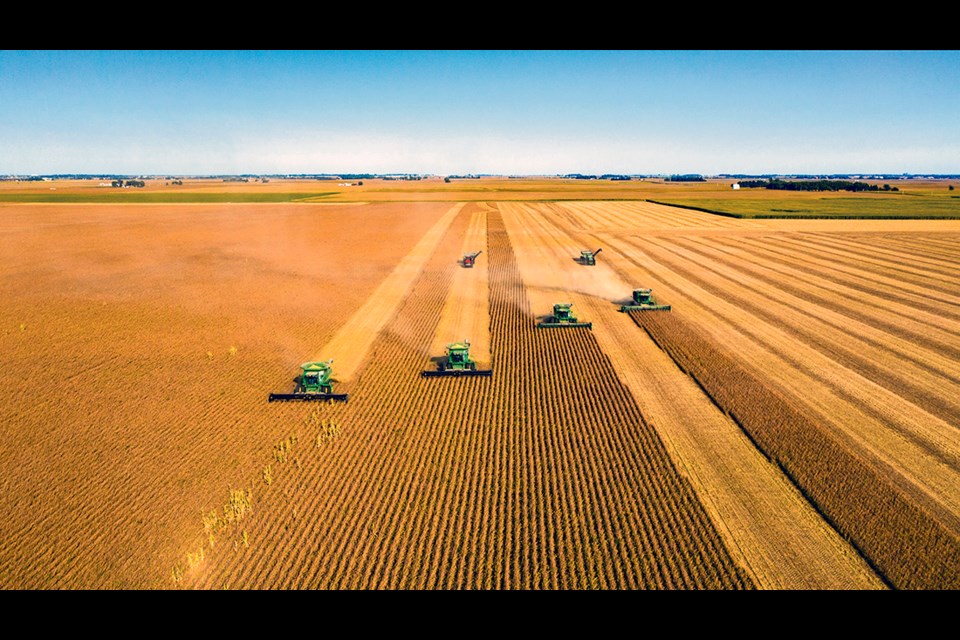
[457, 363]
[643, 301]
[563, 317]
[313, 383]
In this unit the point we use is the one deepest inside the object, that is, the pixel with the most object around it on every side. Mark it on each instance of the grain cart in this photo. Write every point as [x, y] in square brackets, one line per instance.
[470, 258]
[643, 301]
[313, 383]
[589, 258]
[457, 362]
[563, 317]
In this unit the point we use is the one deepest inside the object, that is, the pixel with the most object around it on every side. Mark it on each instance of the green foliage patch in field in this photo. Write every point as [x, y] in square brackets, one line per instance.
[891, 207]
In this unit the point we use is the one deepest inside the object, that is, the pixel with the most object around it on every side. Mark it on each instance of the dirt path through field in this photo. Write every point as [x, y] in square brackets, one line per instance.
[350, 346]
[466, 312]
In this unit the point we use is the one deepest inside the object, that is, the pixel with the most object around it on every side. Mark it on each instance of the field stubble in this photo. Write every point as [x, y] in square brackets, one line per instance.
[911, 450]
[753, 504]
[534, 478]
[152, 360]
[134, 395]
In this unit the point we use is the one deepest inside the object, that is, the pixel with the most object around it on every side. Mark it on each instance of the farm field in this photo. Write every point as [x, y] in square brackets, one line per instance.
[848, 365]
[759, 508]
[141, 345]
[792, 423]
[916, 198]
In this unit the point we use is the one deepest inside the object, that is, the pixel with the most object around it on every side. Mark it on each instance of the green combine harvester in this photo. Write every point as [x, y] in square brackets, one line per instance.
[643, 301]
[457, 363]
[563, 317]
[589, 258]
[313, 383]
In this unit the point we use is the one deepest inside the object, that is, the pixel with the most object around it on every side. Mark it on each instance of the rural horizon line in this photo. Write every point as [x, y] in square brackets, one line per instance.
[374, 174]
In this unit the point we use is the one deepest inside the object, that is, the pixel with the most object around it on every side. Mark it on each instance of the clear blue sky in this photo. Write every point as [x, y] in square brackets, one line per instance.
[512, 112]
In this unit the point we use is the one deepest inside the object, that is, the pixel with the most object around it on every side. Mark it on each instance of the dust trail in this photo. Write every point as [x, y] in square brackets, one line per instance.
[466, 311]
[349, 347]
[548, 262]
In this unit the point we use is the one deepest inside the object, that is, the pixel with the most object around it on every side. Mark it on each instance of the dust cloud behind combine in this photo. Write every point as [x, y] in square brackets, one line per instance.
[548, 259]
[466, 311]
[351, 344]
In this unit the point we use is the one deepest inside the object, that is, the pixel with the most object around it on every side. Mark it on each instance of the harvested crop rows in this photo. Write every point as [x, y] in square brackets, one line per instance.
[907, 545]
[755, 507]
[466, 311]
[351, 345]
[877, 379]
[791, 423]
[908, 423]
[543, 476]
[139, 346]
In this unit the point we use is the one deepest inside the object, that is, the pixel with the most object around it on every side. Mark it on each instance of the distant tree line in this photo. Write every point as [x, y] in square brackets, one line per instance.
[128, 183]
[815, 185]
[686, 177]
[339, 176]
[605, 176]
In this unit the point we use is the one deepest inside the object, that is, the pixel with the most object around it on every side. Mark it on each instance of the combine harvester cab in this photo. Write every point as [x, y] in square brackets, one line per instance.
[589, 258]
[469, 259]
[643, 301]
[457, 363]
[313, 384]
[563, 317]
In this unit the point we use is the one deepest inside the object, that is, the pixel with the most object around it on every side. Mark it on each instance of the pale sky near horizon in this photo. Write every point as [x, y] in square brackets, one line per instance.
[499, 112]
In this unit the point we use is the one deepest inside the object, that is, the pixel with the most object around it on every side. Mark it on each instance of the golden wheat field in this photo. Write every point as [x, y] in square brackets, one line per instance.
[793, 422]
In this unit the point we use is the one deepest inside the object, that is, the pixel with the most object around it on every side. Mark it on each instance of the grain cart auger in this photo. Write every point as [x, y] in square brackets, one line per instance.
[589, 258]
[457, 363]
[313, 383]
[643, 301]
[470, 258]
[563, 317]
